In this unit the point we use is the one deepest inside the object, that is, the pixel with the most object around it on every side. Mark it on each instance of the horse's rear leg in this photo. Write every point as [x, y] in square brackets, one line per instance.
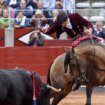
[89, 91]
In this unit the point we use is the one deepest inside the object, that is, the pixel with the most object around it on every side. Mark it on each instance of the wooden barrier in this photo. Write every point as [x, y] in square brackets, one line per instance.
[57, 42]
[19, 33]
[32, 58]
[2, 37]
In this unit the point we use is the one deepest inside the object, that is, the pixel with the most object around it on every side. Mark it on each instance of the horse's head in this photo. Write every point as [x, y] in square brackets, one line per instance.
[77, 66]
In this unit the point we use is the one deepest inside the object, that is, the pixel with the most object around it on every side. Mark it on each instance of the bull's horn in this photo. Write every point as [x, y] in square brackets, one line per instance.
[54, 89]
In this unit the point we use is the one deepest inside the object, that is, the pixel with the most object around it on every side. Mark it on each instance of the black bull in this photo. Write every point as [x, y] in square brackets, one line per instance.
[16, 88]
[85, 62]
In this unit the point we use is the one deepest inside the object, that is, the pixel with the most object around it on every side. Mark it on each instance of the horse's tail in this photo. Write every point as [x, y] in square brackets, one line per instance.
[66, 61]
[48, 75]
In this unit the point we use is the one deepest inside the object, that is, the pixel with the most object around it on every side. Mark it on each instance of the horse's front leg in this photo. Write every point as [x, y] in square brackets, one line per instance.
[57, 98]
[89, 91]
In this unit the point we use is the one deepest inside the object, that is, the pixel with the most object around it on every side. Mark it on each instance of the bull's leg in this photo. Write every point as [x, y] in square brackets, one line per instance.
[89, 91]
[60, 96]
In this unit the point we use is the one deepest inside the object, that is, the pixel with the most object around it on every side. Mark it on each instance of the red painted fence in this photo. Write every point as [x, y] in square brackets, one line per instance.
[32, 58]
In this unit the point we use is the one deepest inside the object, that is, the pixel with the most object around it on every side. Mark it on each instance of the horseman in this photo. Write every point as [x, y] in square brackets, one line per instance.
[71, 24]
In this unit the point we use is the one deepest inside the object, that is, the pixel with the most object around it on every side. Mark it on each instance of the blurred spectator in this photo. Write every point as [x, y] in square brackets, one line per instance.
[21, 20]
[27, 10]
[28, 2]
[4, 21]
[102, 12]
[46, 12]
[58, 5]
[49, 4]
[1, 3]
[1, 13]
[40, 4]
[36, 39]
[33, 3]
[99, 30]
[38, 19]
[69, 5]
[1, 6]
[14, 3]
[11, 12]
[54, 13]
[4, 5]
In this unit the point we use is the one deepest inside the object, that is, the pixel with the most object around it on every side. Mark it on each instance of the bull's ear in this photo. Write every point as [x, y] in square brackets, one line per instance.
[68, 77]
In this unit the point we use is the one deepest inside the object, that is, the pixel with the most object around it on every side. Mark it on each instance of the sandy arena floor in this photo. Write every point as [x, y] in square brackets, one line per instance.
[79, 97]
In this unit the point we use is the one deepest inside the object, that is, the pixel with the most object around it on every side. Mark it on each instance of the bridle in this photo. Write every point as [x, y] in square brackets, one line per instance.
[74, 60]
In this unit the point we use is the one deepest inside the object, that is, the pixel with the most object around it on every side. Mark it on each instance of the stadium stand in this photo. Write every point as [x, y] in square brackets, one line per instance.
[97, 4]
[96, 18]
[89, 9]
[83, 5]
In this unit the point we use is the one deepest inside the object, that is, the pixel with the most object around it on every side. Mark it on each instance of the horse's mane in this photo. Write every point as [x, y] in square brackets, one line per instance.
[86, 40]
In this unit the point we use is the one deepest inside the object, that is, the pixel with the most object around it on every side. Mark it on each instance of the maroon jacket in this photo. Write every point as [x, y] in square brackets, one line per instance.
[78, 24]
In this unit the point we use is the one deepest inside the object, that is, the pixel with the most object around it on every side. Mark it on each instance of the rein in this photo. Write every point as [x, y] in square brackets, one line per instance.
[81, 75]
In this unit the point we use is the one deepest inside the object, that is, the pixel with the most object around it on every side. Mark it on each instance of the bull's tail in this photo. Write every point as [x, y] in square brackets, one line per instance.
[48, 75]
[66, 61]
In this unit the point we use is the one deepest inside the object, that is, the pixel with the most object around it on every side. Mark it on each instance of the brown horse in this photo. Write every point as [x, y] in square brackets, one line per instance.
[57, 69]
[84, 64]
